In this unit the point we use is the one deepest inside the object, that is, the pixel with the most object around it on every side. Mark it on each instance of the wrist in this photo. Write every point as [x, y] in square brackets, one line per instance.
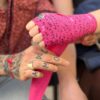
[9, 63]
[96, 15]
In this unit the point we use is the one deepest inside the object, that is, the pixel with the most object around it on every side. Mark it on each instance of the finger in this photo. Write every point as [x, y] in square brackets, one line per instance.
[58, 61]
[33, 74]
[37, 38]
[42, 44]
[37, 64]
[33, 31]
[89, 43]
[30, 25]
[37, 45]
[53, 59]
[42, 47]
[89, 38]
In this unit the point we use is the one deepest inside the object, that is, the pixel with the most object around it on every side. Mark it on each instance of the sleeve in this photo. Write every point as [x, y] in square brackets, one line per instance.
[45, 6]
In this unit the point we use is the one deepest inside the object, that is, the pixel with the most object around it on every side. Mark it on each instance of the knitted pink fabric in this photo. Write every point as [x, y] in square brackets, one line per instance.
[58, 31]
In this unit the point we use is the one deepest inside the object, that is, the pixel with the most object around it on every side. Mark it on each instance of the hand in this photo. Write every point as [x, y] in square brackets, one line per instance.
[89, 40]
[26, 64]
[36, 36]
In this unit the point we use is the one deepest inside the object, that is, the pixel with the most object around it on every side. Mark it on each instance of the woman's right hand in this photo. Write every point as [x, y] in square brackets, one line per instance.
[26, 64]
[88, 40]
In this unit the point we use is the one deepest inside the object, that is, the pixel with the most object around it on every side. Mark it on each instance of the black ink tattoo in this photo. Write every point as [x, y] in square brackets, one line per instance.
[16, 65]
[45, 64]
[56, 58]
[39, 56]
[5, 65]
[6, 68]
[34, 74]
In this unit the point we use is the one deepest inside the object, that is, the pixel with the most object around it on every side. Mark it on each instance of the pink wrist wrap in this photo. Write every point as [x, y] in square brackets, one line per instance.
[58, 31]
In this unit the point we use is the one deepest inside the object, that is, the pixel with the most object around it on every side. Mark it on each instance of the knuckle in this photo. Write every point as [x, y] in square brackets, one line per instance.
[47, 58]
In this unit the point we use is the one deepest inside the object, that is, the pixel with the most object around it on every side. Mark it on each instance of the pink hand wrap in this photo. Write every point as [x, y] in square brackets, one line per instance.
[58, 31]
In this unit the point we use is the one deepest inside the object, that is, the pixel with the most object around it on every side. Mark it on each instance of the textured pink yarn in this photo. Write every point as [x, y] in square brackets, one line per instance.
[58, 31]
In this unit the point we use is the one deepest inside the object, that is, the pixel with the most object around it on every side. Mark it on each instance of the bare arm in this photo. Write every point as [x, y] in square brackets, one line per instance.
[5, 64]
[63, 6]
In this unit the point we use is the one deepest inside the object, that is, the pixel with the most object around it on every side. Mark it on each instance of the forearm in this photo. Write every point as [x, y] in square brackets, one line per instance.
[6, 60]
[67, 74]
[64, 6]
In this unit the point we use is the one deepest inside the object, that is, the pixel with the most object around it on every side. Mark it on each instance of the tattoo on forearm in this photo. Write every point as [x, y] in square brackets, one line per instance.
[4, 64]
[16, 65]
[16, 61]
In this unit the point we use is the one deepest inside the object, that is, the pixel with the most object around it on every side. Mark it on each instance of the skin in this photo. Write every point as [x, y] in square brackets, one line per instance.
[25, 63]
[67, 90]
[66, 83]
[26, 68]
[89, 40]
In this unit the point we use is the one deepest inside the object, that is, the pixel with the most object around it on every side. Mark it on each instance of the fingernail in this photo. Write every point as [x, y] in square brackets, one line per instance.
[34, 43]
[37, 74]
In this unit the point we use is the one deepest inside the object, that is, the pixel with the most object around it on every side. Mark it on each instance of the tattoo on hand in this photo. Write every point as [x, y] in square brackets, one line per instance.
[39, 56]
[45, 64]
[56, 58]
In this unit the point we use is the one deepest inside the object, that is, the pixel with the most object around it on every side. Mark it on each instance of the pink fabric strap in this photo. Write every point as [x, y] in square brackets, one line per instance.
[58, 31]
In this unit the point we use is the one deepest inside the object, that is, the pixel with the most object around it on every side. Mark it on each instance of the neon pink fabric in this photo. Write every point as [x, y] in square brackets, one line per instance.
[58, 31]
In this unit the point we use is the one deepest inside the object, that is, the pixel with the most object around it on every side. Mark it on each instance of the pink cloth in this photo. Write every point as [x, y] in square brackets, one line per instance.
[58, 31]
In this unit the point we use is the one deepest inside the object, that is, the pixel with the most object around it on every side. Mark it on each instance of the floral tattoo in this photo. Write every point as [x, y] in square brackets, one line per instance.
[11, 64]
